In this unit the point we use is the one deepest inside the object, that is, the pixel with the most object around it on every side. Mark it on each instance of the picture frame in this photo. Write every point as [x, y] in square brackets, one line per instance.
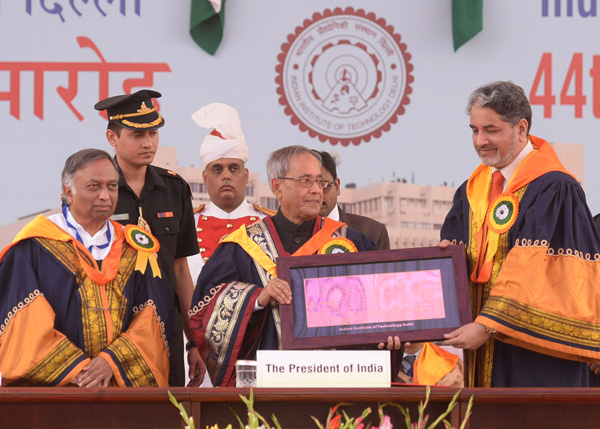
[353, 299]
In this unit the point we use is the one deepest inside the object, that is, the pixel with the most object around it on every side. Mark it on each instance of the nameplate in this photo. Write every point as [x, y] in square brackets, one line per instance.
[323, 368]
[120, 216]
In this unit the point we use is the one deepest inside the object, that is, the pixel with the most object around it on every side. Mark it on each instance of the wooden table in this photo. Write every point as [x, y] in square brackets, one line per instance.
[151, 408]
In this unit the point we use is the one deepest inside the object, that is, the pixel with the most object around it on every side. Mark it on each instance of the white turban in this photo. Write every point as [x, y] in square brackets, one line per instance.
[226, 139]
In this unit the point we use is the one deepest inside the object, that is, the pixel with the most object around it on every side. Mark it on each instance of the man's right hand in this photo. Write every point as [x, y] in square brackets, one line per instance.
[197, 370]
[97, 373]
[276, 290]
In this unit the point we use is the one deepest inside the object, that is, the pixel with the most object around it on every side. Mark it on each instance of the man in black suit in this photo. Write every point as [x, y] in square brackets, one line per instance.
[366, 225]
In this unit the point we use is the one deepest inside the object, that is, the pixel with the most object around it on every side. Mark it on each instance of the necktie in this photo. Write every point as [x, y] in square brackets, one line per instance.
[497, 185]
[407, 364]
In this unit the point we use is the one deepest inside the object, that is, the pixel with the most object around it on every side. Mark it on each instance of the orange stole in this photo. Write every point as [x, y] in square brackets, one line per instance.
[240, 237]
[433, 364]
[541, 161]
[43, 228]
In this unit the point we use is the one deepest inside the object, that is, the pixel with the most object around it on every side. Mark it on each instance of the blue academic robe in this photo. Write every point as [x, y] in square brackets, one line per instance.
[223, 319]
[543, 297]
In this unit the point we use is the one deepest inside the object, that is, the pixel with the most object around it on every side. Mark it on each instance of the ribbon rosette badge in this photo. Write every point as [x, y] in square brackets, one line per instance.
[337, 245]
[141, 239]
[503, 213]
[147, 247]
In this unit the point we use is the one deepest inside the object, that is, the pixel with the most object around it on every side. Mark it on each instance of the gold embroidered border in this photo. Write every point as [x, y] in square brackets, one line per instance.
[221, 324]
[64, 252]
[557, 252]
[147, 125]
[480, 367]
[20, 306]
[259, 233]
[51, 366]
[140, 112]
[150, 303]
[206, 300]
[133, 364]
[560, 328]
[115, 290]
[93, 321]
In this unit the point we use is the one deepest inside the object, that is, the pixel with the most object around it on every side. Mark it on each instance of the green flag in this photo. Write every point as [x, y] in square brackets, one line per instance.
[467, 20]
[206, 25]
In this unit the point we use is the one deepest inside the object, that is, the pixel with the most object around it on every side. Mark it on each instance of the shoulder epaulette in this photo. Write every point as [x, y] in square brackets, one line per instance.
[266, 211]
[167, 173]
[200, 208]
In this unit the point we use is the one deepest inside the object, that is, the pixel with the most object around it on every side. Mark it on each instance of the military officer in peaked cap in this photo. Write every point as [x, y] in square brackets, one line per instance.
[158, 200]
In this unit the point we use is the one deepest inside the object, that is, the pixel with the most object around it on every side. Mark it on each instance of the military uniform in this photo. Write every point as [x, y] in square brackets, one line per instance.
[166, 205]
[212, 224]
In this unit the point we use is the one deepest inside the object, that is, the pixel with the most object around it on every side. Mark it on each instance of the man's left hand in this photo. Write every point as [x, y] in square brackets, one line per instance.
[470, 337]
[96, 374]
[595, 367]
[197, 368]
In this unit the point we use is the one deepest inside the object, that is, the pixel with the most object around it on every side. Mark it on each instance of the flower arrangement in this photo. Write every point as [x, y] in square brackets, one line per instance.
[335, 420]
[253, 417]
[188, 420]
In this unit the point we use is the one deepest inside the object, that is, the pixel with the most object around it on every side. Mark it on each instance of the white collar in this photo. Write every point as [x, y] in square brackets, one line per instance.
[416, 355]
[99, 239]
[335, 214]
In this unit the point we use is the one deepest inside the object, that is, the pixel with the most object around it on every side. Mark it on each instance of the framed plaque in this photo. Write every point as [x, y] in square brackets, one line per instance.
[361, 298]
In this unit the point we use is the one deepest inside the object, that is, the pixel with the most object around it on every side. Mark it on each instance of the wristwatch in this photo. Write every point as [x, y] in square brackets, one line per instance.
[189, 345]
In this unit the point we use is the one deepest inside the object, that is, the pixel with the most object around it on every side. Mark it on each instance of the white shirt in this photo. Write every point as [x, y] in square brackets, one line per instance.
[99, 239]
[335, 214]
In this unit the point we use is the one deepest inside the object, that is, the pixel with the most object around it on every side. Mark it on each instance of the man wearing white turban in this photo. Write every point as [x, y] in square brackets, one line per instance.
[224, 153]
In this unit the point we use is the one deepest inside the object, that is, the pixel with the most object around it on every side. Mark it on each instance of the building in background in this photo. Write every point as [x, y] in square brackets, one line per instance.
[413, 214]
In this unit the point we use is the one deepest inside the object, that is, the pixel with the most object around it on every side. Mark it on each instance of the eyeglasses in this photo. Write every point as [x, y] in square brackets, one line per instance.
[307, 181]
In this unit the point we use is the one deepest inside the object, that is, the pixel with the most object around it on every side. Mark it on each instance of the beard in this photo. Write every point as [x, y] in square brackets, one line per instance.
[497, 160]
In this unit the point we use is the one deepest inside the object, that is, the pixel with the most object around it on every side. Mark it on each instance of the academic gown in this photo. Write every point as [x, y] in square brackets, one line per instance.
[55, 318]
[223, 319]
[543, 292]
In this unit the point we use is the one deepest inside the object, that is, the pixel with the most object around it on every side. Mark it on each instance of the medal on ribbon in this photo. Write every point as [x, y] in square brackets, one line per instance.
[338, 245]
[503, 213]
[146, 245]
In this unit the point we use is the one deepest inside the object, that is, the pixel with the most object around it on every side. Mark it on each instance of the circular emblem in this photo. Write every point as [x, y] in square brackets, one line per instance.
[503, 213]
[141, 239]
[338, 245]
[344, 76]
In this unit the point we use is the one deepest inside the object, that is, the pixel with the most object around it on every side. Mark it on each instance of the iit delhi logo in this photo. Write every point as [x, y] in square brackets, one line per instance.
[344, 76]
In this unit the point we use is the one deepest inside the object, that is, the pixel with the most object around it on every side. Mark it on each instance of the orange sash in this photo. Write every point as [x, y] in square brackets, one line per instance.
[44, 228]
[539, 162]
[240, 237]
